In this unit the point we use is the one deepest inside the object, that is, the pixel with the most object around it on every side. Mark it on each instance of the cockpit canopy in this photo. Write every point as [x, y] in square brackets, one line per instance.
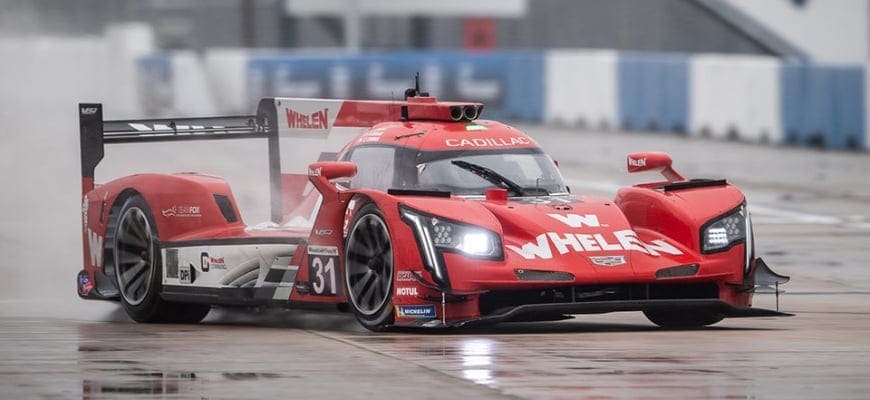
[523, 171]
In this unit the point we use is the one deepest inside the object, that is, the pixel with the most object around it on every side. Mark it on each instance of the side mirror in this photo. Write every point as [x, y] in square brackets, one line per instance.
[332, 169]
[653, 161]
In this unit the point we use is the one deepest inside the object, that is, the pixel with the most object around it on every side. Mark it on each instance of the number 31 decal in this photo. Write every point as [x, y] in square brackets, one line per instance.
[322, 269]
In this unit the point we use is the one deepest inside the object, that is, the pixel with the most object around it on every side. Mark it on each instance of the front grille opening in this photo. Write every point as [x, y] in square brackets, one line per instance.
[540, 275]
[493, 301]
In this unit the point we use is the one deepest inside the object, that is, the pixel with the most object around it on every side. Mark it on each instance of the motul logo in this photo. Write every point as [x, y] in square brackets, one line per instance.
[315, 120]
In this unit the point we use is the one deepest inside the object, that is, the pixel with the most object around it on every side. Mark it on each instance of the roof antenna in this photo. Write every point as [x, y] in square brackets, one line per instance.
[415, 91]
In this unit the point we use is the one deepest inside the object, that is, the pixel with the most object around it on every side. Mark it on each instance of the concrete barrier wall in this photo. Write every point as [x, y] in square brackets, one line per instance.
[749, 98]
[735, 97]
[581, 88]
[653, 92]
[823, 105]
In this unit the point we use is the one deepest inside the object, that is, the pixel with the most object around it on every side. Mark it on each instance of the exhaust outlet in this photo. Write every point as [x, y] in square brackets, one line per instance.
[456, 113]
[469, 112]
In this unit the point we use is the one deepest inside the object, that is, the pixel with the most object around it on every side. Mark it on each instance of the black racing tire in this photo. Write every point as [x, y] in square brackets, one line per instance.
[138, 268]
[369, 269]
[683, 319]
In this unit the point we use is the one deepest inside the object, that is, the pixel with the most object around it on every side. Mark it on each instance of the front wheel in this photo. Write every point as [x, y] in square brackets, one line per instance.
[369, 269]
[138, 269]
[683, 319]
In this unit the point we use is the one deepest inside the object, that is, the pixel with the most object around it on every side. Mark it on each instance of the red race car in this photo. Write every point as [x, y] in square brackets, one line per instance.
[429, 217]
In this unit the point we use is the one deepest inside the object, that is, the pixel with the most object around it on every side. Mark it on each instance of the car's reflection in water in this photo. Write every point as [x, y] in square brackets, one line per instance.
[477, 360]
[249, 353]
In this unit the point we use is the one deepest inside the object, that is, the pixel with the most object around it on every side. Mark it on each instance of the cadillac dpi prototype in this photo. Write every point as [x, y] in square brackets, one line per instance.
[429, 217]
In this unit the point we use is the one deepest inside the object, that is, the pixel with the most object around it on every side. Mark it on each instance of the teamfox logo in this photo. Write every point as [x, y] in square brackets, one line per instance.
[315, 120]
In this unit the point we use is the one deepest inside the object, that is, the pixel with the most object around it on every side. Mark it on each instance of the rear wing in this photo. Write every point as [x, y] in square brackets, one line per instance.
[276, 118]
[95, 133]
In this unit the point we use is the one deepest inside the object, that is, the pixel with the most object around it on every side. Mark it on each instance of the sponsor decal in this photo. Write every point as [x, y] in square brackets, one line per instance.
[622, 240]
[625, 240]
[171, 262]
[640, 162]
[323, 250]
[85, 213]
[204, 262]
[421, 311]
[85, 284]
[555, 200]
[322, 269]
[314, 171]
[372, 136]
[474, 127]
[405, 276]
[488, 142]
[323, 232]
[89, 110]
[607, 261]
[348, 215]
[95, 247]
[181, 211]
[577, 221]
[175, 128]
[406, 291]
[217, 262]
[315, 120]
[185, 274]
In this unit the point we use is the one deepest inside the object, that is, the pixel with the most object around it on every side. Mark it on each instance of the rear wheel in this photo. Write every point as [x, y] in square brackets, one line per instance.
[369, 269]
[683, 319]
[138, 269]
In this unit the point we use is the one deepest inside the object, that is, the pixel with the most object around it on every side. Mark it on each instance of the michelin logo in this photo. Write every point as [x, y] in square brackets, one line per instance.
[421, 311]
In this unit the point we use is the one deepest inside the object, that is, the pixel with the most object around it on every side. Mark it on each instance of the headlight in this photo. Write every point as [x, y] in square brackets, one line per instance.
[722, 232]
[471, 241]
[435, 235]
[446, 235]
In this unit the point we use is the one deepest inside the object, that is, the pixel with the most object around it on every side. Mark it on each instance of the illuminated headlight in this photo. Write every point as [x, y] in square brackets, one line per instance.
[724, 231]
[447, 235]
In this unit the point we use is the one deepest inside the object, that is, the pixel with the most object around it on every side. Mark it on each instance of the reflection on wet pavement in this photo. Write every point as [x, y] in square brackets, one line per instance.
[53, 358]
[240, 354]
[620, 356]
[477, 361]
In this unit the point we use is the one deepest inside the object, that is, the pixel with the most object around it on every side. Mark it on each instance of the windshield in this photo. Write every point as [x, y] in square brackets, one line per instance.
[532, 172]
[524, 172]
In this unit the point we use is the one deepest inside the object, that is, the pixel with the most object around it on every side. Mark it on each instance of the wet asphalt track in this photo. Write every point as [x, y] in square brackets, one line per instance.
[812, 220]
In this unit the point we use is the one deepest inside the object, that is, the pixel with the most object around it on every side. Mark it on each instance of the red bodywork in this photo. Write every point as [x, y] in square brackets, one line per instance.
[577, 240]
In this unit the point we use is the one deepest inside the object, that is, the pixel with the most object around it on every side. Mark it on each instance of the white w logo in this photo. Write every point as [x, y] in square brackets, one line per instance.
[95, 245]
[577, 221]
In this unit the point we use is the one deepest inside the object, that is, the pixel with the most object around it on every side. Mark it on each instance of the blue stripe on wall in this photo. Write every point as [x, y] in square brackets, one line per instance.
[510, 84]
[653, 91]
[822, 105]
